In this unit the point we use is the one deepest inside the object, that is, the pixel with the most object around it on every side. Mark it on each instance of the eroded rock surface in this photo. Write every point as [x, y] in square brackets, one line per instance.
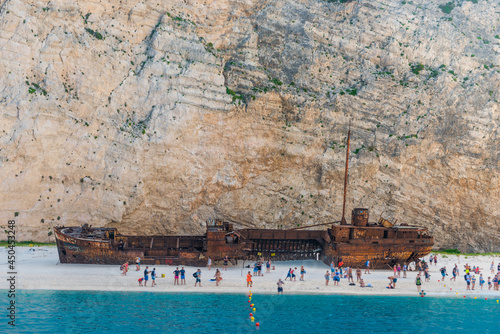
[155, 116]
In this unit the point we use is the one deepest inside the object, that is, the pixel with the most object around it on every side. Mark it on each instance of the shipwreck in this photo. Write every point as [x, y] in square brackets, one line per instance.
[381, 242]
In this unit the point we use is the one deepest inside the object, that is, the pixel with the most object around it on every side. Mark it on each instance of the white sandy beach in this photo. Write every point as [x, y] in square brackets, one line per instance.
[40, 269]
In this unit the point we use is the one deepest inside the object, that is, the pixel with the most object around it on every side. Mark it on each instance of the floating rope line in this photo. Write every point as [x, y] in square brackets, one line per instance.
[252, 309]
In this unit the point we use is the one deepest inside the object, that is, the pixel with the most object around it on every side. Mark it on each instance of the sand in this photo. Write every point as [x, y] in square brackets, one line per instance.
[39, 269]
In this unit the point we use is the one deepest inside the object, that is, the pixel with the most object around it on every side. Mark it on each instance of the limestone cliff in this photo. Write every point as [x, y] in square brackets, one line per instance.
[153, 116]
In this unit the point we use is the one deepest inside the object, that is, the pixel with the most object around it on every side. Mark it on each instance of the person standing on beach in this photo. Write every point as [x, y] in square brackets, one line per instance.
[293, 275]
[280, 286]
[443, 273]
[405, 268]
[123, 268]
[492, 266]
[183, 276]
[358, 275]
[197, 275]
[218, 277]
[473, 281]
[302, 272]
[367, 264]
[137, 263]
[336, 278]
[209, 263]
[268, 266]
[481, 281]
[468, 279]
[454, 272]
[327, 277]
[153, 277]
[249, 280]
[146, 277]
[427, 275]
[349, 275]
[289, 275]
[418, 282]
[226, 262]
[176, 276]
[332, 268]
[399, 270]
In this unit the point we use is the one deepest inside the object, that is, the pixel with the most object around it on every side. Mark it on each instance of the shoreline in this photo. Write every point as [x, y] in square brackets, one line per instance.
[489, 296]
[39, 269]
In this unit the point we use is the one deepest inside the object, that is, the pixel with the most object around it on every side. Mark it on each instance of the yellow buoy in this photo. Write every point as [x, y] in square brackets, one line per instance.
[253, 309]
[475, 297]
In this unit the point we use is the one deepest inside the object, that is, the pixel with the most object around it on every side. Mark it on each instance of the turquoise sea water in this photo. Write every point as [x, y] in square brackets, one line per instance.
[147, 312]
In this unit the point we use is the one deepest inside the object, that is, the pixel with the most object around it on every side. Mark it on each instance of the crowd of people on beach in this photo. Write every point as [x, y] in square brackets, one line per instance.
[340, 272]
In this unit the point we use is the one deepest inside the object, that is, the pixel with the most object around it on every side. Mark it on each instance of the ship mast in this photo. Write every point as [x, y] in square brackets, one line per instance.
[343, 221]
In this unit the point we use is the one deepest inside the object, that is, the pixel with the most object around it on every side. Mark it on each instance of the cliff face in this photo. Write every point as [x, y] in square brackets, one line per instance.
[155, 116]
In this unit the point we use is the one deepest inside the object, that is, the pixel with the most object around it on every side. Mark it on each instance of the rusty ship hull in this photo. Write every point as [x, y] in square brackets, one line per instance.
[103, 246]
[349, 243]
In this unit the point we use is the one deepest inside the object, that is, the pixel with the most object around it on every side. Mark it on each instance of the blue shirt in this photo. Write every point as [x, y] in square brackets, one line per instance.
[183, 272]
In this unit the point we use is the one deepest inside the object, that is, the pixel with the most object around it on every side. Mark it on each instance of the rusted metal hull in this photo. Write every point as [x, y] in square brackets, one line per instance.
[300, 245]
[79, 250]
[72, 250]
[381, 256]
[353, 244]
